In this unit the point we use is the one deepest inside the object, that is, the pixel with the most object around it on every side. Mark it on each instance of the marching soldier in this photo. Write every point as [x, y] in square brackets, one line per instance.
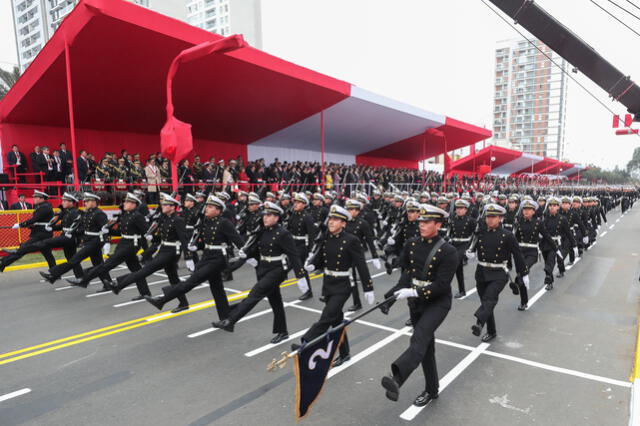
[494, 246]
[558, 227]
[527, 231]
[339, 252]
[93, 242]
[428, 267]
[252, 217]
[462, 226]
[42, 215]
[132, 227]
[575, 225]
[190, 213]
[407, 229]
[67, 221]
[215, 234]
[360, 228]
[318, 210]
[270, 256]
[303, 231]
[173, 241]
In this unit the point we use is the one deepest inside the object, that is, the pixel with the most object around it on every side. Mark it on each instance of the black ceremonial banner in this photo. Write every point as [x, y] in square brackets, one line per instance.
[312, 366]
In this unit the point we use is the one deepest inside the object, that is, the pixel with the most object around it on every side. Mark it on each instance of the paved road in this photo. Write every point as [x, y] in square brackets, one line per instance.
[71, 357]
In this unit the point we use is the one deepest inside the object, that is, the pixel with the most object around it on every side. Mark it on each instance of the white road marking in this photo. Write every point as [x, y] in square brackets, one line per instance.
[604, 233]
[537, 296]
[14, 394]
[469, 293]
[365, 353]
[131, 287]
[273, 345]
[211, 329]
[611, 226]
[411, 412]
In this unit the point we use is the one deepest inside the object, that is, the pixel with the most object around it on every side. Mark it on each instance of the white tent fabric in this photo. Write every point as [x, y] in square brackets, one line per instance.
[513, 166]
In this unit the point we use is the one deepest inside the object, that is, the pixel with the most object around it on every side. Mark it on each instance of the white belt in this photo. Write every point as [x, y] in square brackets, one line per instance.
[222, 247]
[444, 229]
[529, 245]
[175, 244]
[67, 229]
[337, 273]
[92, 234]
[189, 227]
[419, 283]
[502, 265]
[461, 240]
[134, 237]
[557, 238]
[41, 224]
[301, 237]
[508, 225]
[272, 258]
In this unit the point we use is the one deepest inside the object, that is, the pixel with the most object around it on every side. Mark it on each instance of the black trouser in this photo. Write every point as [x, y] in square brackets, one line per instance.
[152, 197]
[303, 252]
[461, 248]
[332, 314]
[530, 255]
[166, 258]
[30, 246]
[489, 290]
[209, 268]
[549, 257]
[68, 245]
[92, 249]
[422, 347]
[354, 287]
[268, 286]
[125, 252]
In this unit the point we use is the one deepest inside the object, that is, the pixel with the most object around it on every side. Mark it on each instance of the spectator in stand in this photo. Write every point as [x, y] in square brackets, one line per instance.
[35, 166]
[45, 165]
[21, 204]
[153, 179]
[67, 161]
[19, 160]
[83, 167]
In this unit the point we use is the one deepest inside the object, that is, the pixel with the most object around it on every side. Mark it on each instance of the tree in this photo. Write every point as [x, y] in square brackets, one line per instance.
[7, 80]
[633, 166]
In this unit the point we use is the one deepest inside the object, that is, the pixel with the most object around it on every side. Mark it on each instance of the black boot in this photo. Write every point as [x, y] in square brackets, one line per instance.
[179, 308]
[341, 360]
[560, 274]
[476, 329]
[522, 307]
[225, 325]
[392, 386]
[157, 301]
[48, 277]
[322, 299]
[408, 323]
[488, 337]
[354, 308]
[424, 398]
[460, 294]
[307, 295]
[514, 288]
[78, 282]
[279, 338]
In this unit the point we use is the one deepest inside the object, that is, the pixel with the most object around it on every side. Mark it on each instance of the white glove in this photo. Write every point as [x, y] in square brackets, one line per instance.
[384, 223]
[405, 293]
[149, 237]
[48, 228]
[253, 262]
[106, 249]
[376, 263]
[192, 248]
[585, 240]
[242, 254]
[15, 226]
[370, 297]
[391, 241]
[559, 253]
[303, 286]
[575, 251]
[190, 265]
[525, 280]
[68, 234]
[309, 267]
[237, 217]
[470, 254]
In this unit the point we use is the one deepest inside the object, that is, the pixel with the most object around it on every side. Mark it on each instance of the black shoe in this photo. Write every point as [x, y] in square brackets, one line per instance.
[571, 262]
[307, 295]
[354, 308]
[408, 323]
[523, 307]
[384, 309]
[138, 297]
[476, 329]
[225, 325]
[279, 338]
[48, 277]
[179, 308]
[548, 287]
[488, 337]
[78, 282]
[424, 398]
[2, 266]
[104, 289]
[157, 301]
[560, 275]
[514, 288]
[227, 276]
[390, 383]
[295, 347]
[340, 360]
[388, 268]
[322, 299]
[460, 294]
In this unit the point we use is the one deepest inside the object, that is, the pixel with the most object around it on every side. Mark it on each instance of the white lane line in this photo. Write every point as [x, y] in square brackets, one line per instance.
[273, 345]
[131, 287]
[211, 329]
[469, 293]
[604, 233]
[346, 316]
[537, 296]
[133, 302]
[617, 220]
[611, 226]
[365, 353]
[14, 394]
[568, 371]
[411, 412]
[634, 409]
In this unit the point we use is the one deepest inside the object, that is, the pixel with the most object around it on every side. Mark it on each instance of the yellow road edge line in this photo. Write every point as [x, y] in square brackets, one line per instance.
[635, 372]
[40, 264]
[118, 328]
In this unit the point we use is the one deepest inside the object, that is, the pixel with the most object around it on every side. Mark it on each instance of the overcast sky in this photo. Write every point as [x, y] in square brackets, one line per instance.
[438, 55]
